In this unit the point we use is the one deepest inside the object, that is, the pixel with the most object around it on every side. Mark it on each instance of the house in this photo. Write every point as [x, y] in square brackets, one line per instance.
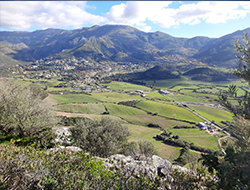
[139, 91]
[202, 125]
[164, 92]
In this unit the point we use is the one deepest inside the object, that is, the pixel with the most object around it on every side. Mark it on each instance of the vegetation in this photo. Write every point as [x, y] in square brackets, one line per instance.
[83, 88]
[141, 150]
[156, 73]
[175, 141]
[124, 86]
[167, 110]
[213, 114]
[235, 164]
[101, 138]
[24, 114]
[208, 74]
[28, 168]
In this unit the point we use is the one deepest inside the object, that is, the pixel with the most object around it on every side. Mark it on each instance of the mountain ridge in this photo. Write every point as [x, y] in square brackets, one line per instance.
[119, 43]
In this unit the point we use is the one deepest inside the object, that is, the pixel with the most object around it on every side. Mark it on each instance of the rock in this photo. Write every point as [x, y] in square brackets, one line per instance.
[62, 134]
[68, 148]
[152, 168]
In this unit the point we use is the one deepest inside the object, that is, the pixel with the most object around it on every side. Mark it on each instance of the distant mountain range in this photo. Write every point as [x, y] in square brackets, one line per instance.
[116, 43]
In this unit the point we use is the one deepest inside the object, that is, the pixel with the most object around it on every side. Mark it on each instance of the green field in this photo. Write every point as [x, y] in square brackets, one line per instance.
[184, 86]
[138, 119]
[127, 113]
[115, 97]
[82, 108]
[125, 86]
[73, 98]
[197, 136]
[141, 133]
[184, 98]
[215, 114]
[168, 110]
[157, 95]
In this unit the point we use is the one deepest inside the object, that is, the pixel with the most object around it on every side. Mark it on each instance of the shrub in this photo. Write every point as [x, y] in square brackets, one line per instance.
[28, 168]
[101, 138]
[23, 113]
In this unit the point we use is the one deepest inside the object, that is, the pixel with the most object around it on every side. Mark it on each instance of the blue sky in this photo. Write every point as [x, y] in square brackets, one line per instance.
[177, 18]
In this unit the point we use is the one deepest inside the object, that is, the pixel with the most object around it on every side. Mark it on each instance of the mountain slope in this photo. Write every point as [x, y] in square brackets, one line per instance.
[117, 43]
[221, 51]
[208, 75]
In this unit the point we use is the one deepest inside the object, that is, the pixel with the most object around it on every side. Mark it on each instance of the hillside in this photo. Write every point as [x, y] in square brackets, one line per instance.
[221, 51]
[208, 75]
[116, 43]
[155, 73]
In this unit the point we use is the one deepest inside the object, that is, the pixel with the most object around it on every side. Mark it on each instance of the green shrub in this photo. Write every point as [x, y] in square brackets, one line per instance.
[28, 168]
[24, 114]
[101, 138]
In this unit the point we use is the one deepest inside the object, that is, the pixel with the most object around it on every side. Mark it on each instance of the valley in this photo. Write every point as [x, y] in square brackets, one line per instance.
[131, 95]
[138, 106]
[159, 86]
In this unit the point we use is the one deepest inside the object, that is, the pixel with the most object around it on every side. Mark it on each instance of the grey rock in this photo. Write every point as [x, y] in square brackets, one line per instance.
[68, 148]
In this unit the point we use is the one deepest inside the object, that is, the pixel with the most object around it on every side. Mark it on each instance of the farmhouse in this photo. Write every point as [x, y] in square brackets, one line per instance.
[202, 125]
[164, 92]
[139, 91]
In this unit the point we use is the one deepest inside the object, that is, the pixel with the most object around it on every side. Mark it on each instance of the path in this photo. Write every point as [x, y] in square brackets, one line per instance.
[45, 99]
[220, 144]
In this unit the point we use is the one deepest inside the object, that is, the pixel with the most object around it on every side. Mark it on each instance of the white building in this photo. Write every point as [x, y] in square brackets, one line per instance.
[202, 125]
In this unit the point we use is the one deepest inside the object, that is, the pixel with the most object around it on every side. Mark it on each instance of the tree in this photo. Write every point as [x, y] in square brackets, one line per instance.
[241, 110]
[146, 148]
[139, 151]
[233, 170]
[243, 68]
[101, 138]
[23, 113]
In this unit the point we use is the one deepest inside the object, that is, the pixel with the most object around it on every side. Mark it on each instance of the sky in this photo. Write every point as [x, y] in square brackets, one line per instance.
[177, 18]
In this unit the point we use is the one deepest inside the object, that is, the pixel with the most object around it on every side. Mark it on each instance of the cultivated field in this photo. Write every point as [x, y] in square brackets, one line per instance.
[155, 108]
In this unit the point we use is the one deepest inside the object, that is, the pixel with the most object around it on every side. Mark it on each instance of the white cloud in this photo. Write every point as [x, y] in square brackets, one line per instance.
[137, 13]
[21, 15]
[211, 12]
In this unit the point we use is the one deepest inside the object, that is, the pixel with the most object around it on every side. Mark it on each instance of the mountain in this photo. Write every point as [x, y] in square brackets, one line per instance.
[221, 51]
[117, 43]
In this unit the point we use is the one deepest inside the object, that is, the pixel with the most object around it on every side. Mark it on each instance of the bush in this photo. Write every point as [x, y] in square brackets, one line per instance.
[101, 138]
[23, 113]
[28, 168]
[139, 151]
[184, 156]
[154, 125]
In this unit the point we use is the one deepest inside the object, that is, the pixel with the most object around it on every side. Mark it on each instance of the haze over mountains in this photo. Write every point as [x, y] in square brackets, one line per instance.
[116, 43]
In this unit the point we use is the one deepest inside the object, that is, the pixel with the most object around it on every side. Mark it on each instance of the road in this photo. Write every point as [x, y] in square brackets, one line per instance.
[205, 119]
[200, 116]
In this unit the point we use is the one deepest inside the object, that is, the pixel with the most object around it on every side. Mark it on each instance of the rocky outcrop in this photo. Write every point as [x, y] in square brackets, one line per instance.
[62, 136]
[154, 167]
[67, 148]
